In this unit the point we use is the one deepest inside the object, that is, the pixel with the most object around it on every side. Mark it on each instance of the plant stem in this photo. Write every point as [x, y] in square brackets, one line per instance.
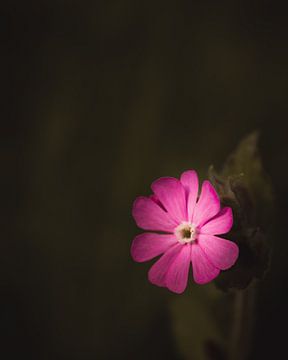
[243, 322]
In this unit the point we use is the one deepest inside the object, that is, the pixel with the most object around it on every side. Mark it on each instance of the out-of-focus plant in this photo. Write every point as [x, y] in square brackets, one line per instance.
[244, 185]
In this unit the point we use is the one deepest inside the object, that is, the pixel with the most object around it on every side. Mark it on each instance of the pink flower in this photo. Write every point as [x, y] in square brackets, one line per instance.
[184, 231]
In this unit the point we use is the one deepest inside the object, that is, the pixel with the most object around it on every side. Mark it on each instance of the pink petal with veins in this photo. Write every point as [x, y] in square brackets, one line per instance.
[207, 206]
[177, 275]
[157, 273]
[203, 270]
[220, 224]
[150, 216]
[222, 253]
[189, 180]
[171, 194]
[146, 246]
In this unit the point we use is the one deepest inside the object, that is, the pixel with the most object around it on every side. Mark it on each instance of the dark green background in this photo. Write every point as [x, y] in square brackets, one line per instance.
[100, 98]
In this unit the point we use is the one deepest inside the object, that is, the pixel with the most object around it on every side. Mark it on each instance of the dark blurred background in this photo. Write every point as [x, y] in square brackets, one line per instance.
[99, 99]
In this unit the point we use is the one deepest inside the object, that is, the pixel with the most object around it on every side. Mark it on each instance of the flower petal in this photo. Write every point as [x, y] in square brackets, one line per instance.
[157, 201]
[158, 271]
[207, 206]
[222, 253]
[203, 270]
[150, 216]
[148, 245]
[220, 224]
[171, 194]
[177, 275]
[189, 180]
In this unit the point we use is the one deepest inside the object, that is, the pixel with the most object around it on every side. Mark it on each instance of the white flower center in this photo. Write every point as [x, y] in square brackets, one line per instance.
[186, 232]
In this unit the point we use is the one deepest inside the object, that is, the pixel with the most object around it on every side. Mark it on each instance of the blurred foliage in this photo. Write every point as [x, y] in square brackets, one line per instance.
[244, 185]
[243, 181]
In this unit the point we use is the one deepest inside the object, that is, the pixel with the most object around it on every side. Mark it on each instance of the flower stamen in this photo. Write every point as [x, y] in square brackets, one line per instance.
[186, 232]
